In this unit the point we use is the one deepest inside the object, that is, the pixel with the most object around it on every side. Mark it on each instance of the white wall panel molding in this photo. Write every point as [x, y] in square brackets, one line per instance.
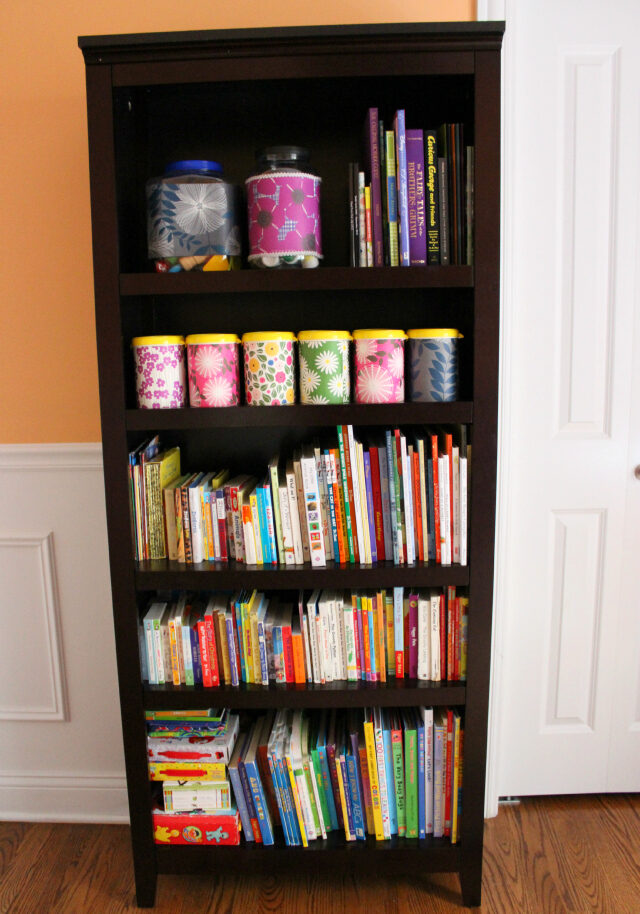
[32, 676]
[577, 545]
[73, 456]
[72, 797]
[588, 90]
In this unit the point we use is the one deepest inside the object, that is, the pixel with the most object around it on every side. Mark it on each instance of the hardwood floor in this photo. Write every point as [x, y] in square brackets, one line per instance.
[542, 856]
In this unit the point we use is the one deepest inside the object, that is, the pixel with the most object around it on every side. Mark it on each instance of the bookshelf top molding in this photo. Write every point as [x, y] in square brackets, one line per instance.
[156, 46]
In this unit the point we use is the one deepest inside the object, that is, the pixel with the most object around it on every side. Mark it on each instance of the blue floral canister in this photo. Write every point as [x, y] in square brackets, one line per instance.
[433, 365]
[192, 218]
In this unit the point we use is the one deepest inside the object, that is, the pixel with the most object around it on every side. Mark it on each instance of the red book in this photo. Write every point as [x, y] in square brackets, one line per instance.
[196, 828]
[349, 493]
[417, 504]
[456, 639]
[222, 523]
[338, 503]
[357, 626]
[436, 498]
[287, 645]
[443, 636]
[448, 775]
[212, 648]
[366, 639]
[205, 658]
[451, 595]
[377, 502]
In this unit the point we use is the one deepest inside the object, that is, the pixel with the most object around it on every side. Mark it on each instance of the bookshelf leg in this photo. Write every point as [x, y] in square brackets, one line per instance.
[146, 888]
[471, 885]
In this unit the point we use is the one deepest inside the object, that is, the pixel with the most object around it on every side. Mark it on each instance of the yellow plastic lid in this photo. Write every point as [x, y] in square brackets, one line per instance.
[324, 335]
[435, 332]
[258, 336]
[157, 341]
[379, 335]
[195, 338]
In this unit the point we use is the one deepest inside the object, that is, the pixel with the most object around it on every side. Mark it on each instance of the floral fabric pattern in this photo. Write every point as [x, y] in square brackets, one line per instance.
[284, 214]
[192, 219]
[160, 377]
[269, 373]
[324, 371]
[214, 374]
[379, 371]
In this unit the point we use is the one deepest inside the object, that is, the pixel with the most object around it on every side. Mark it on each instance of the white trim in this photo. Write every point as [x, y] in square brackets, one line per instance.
[80, 456]
[58, 710]
[507, 299]
[70, 797]
[491, 10]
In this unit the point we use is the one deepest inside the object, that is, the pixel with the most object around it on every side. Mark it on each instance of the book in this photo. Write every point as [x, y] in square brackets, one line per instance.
[159, 472]
[368, 225]
[196, 827]
[432, 197]
[372, 175]
[362, 230]
[403, 202]
[251, 766]
[416, 197]
[443, 209]
[411, 771]
[311, 498]
[391, 198]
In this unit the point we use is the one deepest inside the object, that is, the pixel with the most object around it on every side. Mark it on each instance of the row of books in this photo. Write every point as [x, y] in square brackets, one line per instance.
[324, 636]
[188, 753]
[375, 771]
[412, 203]
[397, 496]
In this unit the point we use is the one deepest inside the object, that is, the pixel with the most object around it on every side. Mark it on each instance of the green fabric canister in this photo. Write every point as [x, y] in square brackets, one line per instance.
[323, 358]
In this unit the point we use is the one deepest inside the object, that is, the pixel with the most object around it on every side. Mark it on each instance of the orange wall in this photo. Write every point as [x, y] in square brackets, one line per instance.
[48, 370]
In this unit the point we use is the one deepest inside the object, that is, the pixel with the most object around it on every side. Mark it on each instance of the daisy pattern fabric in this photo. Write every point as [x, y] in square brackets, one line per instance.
[213, 369]
[160, 372]
[284, 214]
[269, 369]
[324, 367]
[379, 365]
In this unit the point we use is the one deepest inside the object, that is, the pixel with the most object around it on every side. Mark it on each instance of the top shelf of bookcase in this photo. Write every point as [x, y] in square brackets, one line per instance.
[321, 279]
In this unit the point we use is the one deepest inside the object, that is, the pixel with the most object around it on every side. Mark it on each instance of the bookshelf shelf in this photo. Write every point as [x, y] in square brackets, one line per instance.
[163, 574]
[405, 692]
[307, 416]
[145, 99]
[329, 279]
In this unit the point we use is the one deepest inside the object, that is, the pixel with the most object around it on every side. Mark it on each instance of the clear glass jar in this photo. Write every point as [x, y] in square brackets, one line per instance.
[193, 218]
[283, 210]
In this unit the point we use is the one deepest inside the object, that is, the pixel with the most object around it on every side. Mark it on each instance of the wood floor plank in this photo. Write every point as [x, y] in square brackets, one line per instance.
[543, 856]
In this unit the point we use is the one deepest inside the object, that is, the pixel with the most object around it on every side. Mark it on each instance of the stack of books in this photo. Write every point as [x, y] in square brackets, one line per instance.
[359, 499]
[188, 753]
[320, 636]
[412, 201]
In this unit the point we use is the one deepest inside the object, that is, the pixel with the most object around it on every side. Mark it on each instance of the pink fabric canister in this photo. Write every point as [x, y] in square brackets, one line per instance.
[213, 361]
[379, 364]
[160, 374]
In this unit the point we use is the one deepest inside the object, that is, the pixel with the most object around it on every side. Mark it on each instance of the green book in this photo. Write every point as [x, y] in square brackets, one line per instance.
[345, 487]
[411, 771]
[397, 755]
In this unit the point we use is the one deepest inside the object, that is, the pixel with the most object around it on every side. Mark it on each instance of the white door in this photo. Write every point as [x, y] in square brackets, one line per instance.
[566, 689]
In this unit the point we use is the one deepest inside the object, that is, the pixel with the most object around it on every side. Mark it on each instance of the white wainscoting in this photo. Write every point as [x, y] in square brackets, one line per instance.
[61, 755]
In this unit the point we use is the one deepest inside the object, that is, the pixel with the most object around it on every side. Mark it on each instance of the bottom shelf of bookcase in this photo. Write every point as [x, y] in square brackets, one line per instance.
[395, 856]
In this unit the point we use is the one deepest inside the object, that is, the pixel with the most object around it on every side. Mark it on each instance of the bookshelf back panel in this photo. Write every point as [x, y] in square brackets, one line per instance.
[230, 121]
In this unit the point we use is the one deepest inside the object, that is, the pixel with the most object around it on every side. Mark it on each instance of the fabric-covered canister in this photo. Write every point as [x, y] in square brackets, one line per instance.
[160, 372]
[433, 365]
[269, 369]
[213, 366]
[323, 358]
[379, 362]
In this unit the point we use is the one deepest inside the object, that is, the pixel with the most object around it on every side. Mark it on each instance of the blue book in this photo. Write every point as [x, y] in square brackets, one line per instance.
[355, 796]
[195, 656]
[231, 642]
[403, 198]
[363, 672]
[258, 795]
[236, 784]
[370, 509]
[388, 767]
[271, 522]
[321, 746]
[262, 517]
[422, 812]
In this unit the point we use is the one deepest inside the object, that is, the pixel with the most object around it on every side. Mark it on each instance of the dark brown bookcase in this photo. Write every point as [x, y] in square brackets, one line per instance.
[156, 98]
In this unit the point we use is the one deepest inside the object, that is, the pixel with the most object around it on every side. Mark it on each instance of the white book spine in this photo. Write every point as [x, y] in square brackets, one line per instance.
[424, 636]
[288, 557]
[294, 517]
[382, 774]
[313, 637]
[304, 624]
[408, 501]
[324, 635]
[444, 511]
[313, 514]
[249, 544]
[427, 717]
[255, 517]
[350, 640]
[398, 618]
[342, 641]
[355, 476]
[321, 473]
[424, 503]
[158, 652]
[364, 504]
[150, 645]
[463, 511]
[455, 483]
[195, 517]
[334, 639]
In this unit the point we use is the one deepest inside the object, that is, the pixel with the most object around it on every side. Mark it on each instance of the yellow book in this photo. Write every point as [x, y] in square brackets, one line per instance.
[256, 600]
[372, 764]
[381, 660]
[343, 802]
[159, 472]
[296, 800]
[364, 508]
[247, 641]
[464, 618]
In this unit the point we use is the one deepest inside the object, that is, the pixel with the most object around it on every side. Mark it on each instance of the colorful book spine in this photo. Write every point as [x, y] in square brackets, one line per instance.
[432, 201]
[372, 170]
[403, 203]
[392, 197]
[416, 197]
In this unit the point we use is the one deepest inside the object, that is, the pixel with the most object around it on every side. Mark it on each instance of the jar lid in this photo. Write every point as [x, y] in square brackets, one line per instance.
[158, 341]
[258, 336]
[195, 338]
[379, 335]
[187, 165]
[278, 155]
[324, 335]
[431, 333]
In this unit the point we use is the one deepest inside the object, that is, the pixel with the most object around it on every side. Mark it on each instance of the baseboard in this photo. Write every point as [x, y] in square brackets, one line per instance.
[65, 798]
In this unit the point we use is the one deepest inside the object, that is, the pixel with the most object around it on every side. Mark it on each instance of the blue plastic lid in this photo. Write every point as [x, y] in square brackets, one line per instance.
[187, 165]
